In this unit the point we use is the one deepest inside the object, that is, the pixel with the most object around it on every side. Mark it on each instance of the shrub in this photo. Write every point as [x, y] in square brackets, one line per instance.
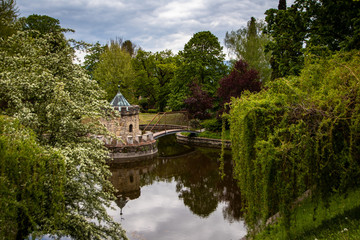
[152, 110]
[213, 125]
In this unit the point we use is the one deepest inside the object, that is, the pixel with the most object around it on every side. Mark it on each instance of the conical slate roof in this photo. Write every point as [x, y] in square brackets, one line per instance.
[119, 101]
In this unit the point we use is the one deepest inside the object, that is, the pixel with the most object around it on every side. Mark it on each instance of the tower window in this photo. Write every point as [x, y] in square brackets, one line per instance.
[130, 128]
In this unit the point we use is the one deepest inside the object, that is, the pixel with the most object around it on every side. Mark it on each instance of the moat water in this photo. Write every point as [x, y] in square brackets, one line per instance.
[177, 195]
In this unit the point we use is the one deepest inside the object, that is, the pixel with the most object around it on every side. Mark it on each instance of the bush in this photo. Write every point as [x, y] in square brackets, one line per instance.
[213, 125]
[195, 123]
[152, 110]
[143, 103]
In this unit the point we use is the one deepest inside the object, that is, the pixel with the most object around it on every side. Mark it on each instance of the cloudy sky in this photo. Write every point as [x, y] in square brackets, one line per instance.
[154, 25]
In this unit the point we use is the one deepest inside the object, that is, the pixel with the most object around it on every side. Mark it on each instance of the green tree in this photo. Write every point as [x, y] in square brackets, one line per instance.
[154, 72]
[202, 61]
[114, 68]
[145, 83]
[46, 92]
[166, 65]
[248, 44]
[129, 47]
[32, 182]
[282, 5]
[333, 25]
[287, 29]
[319, 25]
[93, 57]
[8, 15]
[42, 23]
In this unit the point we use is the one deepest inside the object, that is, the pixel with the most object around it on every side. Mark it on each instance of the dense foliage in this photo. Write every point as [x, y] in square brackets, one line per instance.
[114, 68]
[310, 25]
[32, 180]
[199, 103]
[287, 30]
[300, 133]
[8, 14]
[42, 88]
[242, 78]
[248, 44]
[201, 62]
[154, 72]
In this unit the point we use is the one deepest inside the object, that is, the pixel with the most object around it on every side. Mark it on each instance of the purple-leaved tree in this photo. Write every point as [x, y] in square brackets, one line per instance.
[198, 103]
[240, 79]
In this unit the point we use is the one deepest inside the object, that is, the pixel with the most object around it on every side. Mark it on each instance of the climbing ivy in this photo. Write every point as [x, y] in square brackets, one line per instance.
[299, 133]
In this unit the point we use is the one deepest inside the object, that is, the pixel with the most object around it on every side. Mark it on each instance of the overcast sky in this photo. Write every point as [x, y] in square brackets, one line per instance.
[154, 25]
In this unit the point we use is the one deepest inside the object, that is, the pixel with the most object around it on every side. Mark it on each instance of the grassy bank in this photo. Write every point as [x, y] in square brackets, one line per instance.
[174, 118]
[213, 135]
[341, 220]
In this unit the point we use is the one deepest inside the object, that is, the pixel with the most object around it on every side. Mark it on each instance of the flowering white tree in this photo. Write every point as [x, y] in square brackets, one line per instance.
[45, 91]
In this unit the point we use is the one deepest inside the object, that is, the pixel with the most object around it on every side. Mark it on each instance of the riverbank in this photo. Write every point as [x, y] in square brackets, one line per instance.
[340, 220]
[201, 141]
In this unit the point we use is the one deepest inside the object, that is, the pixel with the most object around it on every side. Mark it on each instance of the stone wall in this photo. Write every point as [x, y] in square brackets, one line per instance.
[202, 142]
[136, 150]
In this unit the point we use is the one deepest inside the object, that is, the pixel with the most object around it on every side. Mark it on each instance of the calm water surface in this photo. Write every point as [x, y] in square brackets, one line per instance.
[177, 195]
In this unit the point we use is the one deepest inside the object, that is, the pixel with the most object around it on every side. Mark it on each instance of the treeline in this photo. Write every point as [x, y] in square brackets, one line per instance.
[302, 130]
[197, 79]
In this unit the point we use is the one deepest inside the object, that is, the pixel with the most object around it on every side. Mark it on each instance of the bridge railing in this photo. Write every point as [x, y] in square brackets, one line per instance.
[169, 120]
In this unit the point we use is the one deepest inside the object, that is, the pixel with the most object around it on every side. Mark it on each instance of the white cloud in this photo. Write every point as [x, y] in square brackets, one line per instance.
[153, 24]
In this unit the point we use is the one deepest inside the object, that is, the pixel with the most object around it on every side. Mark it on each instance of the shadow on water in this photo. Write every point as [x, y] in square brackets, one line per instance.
[193, 171]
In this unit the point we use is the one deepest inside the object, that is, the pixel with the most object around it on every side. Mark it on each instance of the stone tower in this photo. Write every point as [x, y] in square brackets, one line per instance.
[124, 125]
[127, 122]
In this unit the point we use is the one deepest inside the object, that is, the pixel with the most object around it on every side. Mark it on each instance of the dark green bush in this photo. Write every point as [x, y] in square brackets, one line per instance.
[152, 110]
[143, 103]
[213, 125]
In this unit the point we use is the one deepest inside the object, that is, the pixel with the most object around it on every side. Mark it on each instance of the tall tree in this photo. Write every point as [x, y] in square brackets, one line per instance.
[42, 23]
[154, 71]
[129, 47]
[50, 94]
[166, 66]
[93, 57]
[333, 25]
[241, 78]
[316, 24]
[282, 5]
[145, 83]
[198, 103]
[248, 44]
[203, 62]
[288, 31]
[8, 15]
[115, 68]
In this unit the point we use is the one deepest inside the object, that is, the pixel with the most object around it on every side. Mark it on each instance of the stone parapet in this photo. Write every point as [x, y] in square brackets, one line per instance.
[128, 110]
[202, 142]
[135, 150]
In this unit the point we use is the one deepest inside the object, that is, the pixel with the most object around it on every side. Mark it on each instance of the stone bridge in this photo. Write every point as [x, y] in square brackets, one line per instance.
[173, 131]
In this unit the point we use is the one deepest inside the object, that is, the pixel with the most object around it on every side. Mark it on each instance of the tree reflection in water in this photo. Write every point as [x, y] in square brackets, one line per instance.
[195, 172]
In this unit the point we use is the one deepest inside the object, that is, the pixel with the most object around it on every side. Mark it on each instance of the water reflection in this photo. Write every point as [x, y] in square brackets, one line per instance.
[154, 193]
